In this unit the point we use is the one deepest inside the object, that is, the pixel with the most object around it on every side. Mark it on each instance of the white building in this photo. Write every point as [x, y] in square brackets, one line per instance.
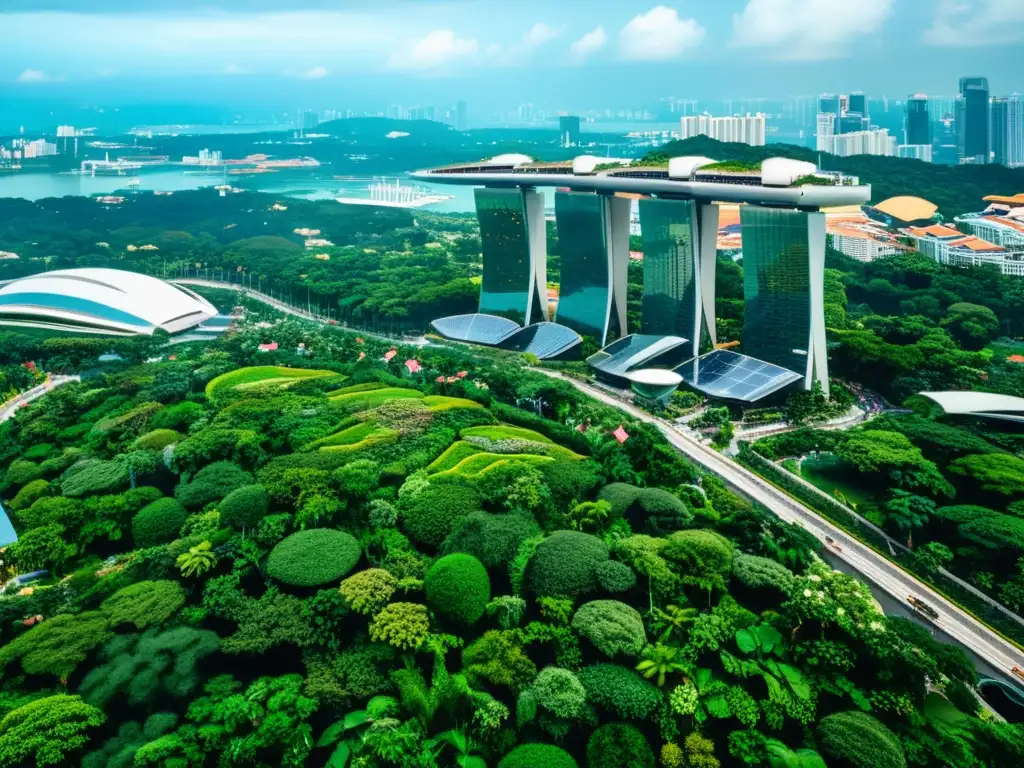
[744, 129]
[38, 148]
[915, 151]
[1007, 231]
[874, 142]
[66, 131]
[950, 246]
[825, 131]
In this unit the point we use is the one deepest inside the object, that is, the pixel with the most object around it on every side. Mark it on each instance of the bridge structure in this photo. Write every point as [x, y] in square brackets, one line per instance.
[783, 338]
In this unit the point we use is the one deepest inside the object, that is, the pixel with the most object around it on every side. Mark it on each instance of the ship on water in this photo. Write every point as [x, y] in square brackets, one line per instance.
[394, 194]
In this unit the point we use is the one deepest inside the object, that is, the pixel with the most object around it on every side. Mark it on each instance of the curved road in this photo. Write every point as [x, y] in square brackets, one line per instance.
[889, 577]
[8, 409]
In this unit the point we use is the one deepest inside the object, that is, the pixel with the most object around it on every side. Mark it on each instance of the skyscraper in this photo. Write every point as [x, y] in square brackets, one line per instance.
[569, 129]
[976, 119]
[858, 103]
[745, 129]
[593, 235]
[679, 270]
[826, 129]
[831, 103]
[919, 127]
[783, 279]
[1008, 130]
[512, 238]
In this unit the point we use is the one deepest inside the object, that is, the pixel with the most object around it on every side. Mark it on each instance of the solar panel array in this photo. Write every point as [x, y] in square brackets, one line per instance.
[476, 328]
[545, 340]
[631, 352]
[733, 376]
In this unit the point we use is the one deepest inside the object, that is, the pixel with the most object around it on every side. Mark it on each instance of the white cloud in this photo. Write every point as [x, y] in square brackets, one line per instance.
[807, 30]
[33, 76]
[437, 49]
[658, 35]
[590, 43]
[539, 34]
[978, 22]
[314, 73]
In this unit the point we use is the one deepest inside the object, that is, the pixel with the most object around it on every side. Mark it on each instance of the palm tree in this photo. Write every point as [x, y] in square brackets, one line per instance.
[198, 560]
[781, 756]
[660, 660]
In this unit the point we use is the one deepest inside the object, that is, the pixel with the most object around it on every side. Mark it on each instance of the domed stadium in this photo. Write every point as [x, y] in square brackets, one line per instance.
[108, 302]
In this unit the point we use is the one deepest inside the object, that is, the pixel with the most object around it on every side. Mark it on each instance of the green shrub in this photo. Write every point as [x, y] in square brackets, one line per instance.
[457, 586]
[178, 417]
[21, 472]
[144, 604]
[499, 659]
[492, 539]
[650, 510]
[537, 756]
[403, 625]
[158, 523]
[620, 691]
[368, 591]
[58, 645]
[618, 745]
[313, 557]
[614, 576]
[432, 514]
[704, 557]
[761, 573]
[244, 507]
[259, 375]
[559, 692]
[565, 564]
[612, 627]
[47, 731]
[28, 495]
[94, 476]
[156, 440]
[859, 740]
[211, 484]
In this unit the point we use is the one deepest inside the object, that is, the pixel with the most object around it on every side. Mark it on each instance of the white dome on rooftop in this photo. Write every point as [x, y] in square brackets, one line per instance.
[685, 167]
[509, 158]
[783, 171]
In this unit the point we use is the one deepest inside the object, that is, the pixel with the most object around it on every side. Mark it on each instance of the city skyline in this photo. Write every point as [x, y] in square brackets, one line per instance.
[364, 54]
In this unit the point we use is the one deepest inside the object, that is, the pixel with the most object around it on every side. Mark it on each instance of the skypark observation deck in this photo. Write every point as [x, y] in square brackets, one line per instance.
[784, 259]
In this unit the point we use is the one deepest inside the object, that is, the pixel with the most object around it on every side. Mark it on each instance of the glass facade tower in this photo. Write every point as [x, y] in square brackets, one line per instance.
[679, 279]
[514, 256]
[783, 283]
[976, 118]
[593, 235]
[919, 126]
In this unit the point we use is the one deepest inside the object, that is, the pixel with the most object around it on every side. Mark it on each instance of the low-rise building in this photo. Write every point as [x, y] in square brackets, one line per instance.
[952, 247]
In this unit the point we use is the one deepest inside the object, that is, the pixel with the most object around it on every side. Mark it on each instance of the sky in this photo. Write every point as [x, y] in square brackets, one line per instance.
[494, 54]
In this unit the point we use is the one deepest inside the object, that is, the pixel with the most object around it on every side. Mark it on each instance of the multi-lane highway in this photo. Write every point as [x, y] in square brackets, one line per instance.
[885, 575]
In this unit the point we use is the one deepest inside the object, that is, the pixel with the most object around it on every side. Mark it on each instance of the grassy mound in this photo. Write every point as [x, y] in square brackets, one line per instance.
[272, 375]
[505, 432]
[438, 403]
[480, 463]
[365, 400]
[455, 453]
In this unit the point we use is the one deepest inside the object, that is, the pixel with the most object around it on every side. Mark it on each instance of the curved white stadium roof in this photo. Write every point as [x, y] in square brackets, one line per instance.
[990, 404]
[103, 301]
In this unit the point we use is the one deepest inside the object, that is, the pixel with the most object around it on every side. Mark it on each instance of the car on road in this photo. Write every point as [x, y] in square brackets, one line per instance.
[834, 544]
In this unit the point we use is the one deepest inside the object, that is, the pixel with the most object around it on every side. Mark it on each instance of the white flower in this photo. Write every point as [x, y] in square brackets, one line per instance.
[814, 577]
[877, 626]
[807, 593]
[821, 595]
[840, 611]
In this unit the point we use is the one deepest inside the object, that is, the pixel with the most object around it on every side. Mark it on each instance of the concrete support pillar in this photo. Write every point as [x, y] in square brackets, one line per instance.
[616, 219]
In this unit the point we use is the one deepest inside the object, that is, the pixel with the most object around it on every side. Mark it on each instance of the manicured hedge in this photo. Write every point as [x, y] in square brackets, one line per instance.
[492, 539]
[613, 627]
[537, 756]
[650, 510]
[614, 576]
[457, 586]
[244, 507]
[620, 691]
[157, 440]
[432, 514]
[313, 557]
[860, 740]
[211, 484]
[565, 564]
[158, 523]
[259, 375]
[618, 745]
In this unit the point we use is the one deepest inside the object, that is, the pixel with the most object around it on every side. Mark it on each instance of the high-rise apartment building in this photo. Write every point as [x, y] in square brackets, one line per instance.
[919, 126]
[1008, 130]
[825, 130]
[873, 142]
[744, 129]
[976, 113]
[569, 130]
[915, 151]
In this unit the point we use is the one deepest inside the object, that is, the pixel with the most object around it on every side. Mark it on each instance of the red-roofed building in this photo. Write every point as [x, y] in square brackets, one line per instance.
[271, 347]
[951, 246]
[620, 434]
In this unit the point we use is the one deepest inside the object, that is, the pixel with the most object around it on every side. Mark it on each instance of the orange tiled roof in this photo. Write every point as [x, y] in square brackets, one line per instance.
[977, 244]
[1017, 199]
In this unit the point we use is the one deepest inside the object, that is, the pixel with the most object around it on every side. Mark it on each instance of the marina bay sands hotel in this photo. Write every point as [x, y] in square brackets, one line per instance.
[783, 337]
